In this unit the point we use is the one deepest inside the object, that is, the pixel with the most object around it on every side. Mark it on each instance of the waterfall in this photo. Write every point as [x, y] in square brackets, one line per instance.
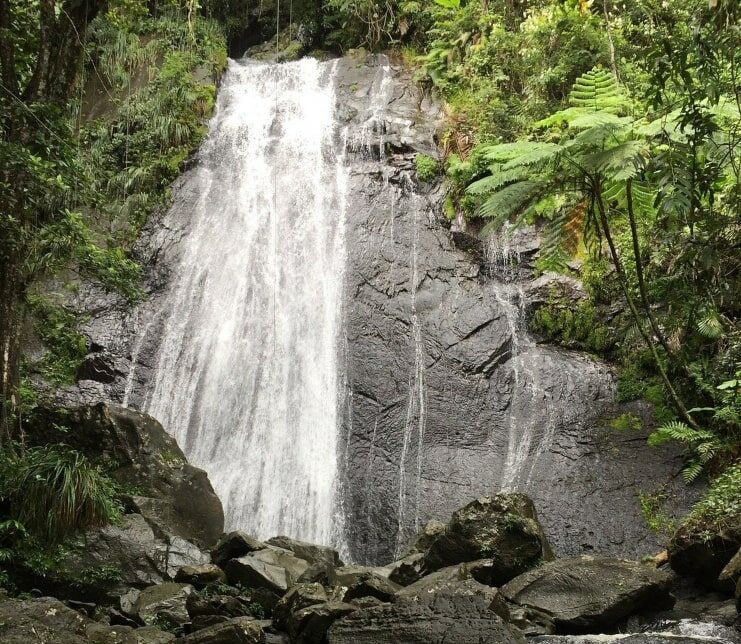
[247, 373]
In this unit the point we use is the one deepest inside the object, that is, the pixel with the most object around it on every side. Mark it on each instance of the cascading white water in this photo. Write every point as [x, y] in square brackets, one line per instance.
[247, 372]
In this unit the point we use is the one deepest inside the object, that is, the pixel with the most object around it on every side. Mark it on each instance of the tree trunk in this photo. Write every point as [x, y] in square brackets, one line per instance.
[11, 296]
[622, 278]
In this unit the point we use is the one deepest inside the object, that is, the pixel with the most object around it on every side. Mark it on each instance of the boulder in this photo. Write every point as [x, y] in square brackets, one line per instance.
[310, 625]
[146, 635]
[176, 497]
[320, 573]
[425, 538]
[367, 602]
[44, 619]
[444, 618]
[271, 568]
[347, 575]
[590, 593]
[738, 596]
[503, 528]
[307, 551]
[199, 622]
[133, 551]
[200, 604]
[238, 630]
[164, 602]
[453, 581]
[407, 570]
[200, 575]
[298, 597]
[370, 584]
[180, 553]
[106, 634]
[234, 545]
[732, 570]
[693, 554]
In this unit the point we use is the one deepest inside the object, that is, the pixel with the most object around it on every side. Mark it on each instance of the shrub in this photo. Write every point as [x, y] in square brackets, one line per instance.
[54, 491]
[427, 167]
[720, 508]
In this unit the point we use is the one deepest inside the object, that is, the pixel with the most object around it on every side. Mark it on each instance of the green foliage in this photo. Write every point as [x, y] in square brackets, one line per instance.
[66, 348]
[138, 147]
[103, 576]
[257, 610]
[720, 508]
[703, 445]
[427, 167]
[626, 423]
[656, 519]
[577, 327]
[53, 492]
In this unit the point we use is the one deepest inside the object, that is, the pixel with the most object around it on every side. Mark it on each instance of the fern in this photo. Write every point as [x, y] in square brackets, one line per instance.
[620, 163]
[538, 153]
[504, 152]
[597, 90]
[497, 179]
[511, 199]
[702, 446]
[709, 326]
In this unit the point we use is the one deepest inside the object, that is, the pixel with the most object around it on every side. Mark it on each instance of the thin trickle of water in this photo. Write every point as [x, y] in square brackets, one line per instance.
[531, 410]
[247, 378]
[416, 406]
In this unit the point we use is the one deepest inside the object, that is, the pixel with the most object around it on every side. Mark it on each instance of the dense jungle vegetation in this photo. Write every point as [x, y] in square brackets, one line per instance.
[614, 124]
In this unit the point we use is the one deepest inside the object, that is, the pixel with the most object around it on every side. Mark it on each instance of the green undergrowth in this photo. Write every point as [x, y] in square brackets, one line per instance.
[158, 80]
[48, 495]
[426, 167]
[147, 90]
[719, 509]
[574, 327]
[56, 327]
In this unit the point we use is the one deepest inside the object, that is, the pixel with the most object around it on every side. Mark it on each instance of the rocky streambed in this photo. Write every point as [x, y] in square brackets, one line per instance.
[486, 575]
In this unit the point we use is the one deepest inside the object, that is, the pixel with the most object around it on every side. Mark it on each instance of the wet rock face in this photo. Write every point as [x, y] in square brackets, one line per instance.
[444, 400]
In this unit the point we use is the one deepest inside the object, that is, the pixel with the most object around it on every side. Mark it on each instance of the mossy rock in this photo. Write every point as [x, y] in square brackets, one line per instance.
[503, 528]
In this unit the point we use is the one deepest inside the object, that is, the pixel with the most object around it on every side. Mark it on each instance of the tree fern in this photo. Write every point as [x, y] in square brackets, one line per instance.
[505, 152]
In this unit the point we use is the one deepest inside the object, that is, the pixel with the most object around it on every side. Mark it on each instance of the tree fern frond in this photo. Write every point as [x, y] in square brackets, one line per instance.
[590, 119]
[620, 162]
[597, 90]
[497, 179]
[511, 199]
[504, 152]
[538, 153]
